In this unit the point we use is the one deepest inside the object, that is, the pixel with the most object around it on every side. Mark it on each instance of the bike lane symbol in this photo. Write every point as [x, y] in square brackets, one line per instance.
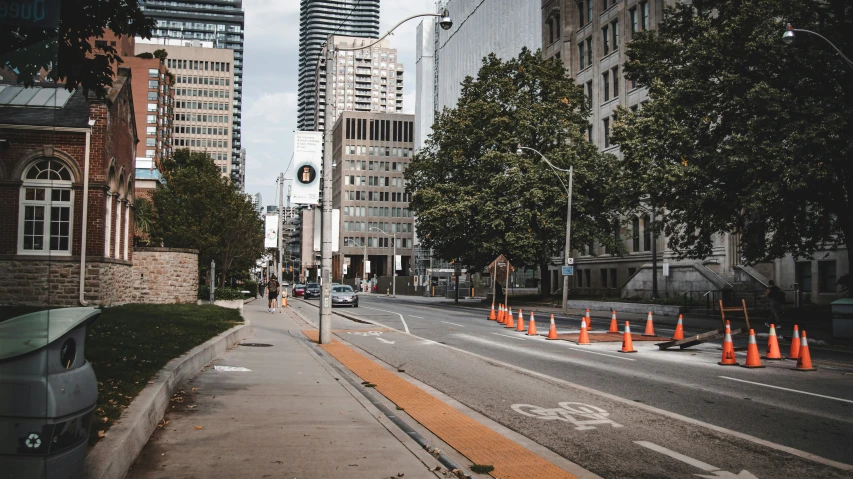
[583, 416]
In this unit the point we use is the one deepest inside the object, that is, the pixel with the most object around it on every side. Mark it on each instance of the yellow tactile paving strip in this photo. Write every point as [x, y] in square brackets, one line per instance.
[475, 441]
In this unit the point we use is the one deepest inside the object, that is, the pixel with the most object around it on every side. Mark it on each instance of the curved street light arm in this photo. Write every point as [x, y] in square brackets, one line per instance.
[390, 31]
[549, 164]
[849, 63]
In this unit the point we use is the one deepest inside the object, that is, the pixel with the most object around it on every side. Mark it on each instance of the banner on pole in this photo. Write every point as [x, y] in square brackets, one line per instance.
[398, 262]
[367, 267]
[271, 231]
[307, 163]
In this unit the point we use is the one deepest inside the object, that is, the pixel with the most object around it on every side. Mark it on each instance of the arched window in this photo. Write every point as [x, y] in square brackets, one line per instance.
[557, 26]
[647, 233]
[550, 31]
[47, 209]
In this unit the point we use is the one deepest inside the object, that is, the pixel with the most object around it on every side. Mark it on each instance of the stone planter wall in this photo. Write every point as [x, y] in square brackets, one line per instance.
[165, 275]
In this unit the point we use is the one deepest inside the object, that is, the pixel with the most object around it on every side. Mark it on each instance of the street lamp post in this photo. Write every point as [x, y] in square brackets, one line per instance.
[393, 237]
[654, 237]
[788, 37]
[327, 54]
[568, 249]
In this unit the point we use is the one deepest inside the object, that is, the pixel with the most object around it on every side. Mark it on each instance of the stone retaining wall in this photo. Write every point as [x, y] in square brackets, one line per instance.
[37, 281]
[165, 275]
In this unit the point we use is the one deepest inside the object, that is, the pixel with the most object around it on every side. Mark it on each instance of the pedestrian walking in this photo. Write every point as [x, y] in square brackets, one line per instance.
[272, 293]
[776, 297]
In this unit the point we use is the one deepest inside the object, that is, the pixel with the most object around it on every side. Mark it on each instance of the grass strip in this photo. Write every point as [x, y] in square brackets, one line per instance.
[129, 344]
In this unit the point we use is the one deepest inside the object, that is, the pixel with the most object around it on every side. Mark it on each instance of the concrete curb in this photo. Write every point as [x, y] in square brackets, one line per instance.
[113, 455]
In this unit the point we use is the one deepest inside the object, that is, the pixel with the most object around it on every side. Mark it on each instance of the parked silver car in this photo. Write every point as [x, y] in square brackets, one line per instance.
[343, 295]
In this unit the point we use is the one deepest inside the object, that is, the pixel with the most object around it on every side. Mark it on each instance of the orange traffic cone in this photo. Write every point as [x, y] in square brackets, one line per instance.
[584, 336]
[501, 314]
[627, 343]
[531, 327]
[284, 301]
[492, 316]
[728, 349]
[520, 322]
[773, 345]
[650, 328]
[588, 320]
[552, 333]
[804, 362]
[753, 359]
[795, 344]
[679, 330]
[509, 322]
[614, 326]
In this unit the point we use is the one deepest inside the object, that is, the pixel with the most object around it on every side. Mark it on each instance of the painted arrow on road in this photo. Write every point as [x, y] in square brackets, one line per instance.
[697, 463]
[385, 341]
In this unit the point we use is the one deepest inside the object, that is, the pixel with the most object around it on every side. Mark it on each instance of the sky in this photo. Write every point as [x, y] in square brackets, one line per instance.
[270, 73]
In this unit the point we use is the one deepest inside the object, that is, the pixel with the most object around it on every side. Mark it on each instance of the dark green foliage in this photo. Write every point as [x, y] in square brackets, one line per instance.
[482, 468]
[129, 344]
[476, 198]
[199, 209]
[68, 55]
[220, 294]
[743, 133]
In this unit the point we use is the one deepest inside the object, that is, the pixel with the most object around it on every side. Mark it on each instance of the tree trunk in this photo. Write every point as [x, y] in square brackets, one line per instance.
[545, 275]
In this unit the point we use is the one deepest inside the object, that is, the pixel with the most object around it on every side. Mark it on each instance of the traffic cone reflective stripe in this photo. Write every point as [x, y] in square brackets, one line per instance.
[795, 344]
[728, 349]
[753, 359]
[584, 336]
[804, 362]
[588, 320]
[531, 328]
[773, 345]
[552, 333]
[627, 343]
[614, 326]
[520, 326]
[650, 329]
[501, 314]
[492, 315]
[679, 330]
[509, 322]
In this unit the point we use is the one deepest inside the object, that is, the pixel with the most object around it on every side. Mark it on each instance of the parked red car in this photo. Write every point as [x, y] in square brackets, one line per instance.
[298, 290]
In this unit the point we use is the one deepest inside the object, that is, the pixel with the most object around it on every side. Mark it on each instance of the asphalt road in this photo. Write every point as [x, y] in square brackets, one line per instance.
[651, 414]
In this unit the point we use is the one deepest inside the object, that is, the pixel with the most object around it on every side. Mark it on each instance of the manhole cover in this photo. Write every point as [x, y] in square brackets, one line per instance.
[257, 345]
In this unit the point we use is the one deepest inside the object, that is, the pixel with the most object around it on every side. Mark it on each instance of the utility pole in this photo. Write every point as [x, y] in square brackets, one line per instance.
[326, 217]
[280, 222]
[654, 256]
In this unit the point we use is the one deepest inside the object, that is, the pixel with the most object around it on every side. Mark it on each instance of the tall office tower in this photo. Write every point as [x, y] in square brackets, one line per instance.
[369, 80]
[317, 20]
[203, 92]
[372, 150]
[221, 22]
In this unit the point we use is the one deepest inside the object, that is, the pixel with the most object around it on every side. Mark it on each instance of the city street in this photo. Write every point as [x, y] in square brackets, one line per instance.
[651, 414]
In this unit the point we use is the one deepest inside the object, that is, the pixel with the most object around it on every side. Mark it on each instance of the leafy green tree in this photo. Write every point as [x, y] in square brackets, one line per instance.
[743, 133]
[476, 198]
[198, 208]
[143, 220]
[67, 54]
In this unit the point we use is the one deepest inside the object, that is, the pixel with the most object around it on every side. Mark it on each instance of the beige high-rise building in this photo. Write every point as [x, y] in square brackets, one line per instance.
[204, 86]
[369, 80]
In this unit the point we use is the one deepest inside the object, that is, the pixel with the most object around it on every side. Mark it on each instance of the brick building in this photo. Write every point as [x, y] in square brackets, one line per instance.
[54, 146]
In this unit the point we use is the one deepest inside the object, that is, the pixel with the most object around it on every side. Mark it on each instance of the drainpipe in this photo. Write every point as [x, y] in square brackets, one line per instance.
[84, 234]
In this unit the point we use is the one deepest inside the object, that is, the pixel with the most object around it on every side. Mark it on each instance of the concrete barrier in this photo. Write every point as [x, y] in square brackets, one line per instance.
[619, 307]
[113, 455]
[230, 304]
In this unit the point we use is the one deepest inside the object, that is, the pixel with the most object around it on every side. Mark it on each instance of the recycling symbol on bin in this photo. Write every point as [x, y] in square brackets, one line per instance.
[33, 441]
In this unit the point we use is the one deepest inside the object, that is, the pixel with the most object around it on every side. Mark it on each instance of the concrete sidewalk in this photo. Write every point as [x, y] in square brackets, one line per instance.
[290, 415]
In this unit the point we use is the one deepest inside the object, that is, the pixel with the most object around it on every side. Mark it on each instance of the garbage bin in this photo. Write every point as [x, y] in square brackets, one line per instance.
[48, 393]
[842, 318]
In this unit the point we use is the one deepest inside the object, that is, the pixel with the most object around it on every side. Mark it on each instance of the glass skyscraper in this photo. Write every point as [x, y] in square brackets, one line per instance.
[317, 20]
[221, 22]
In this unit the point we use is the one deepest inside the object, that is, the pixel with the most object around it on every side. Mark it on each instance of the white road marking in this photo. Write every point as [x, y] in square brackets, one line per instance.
[385, 341]
[405, 326]
[448, 322]
[786, 389]
[677, 456]
[696, 463]
[567, 411]
[508, 336]
[231, 368]
[365, 333]
[600, 354]
[419, 317]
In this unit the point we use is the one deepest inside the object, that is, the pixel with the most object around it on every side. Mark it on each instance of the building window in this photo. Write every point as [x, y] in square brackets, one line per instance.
[603, 277]
[580, 14]
[605, 5]
[588, 11]
[581, 56]
[614, 29]
[635, 234]
[826, 277]
[804, 276]
[606, 124]
[605, 37]
[633, 17]
[46, 214]
[647, 233]
[615, 73]
[605, 85]
[153, 73]
[644, 15]
[150, 141]
[152, 84]
[580, 278]
[550, 31]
